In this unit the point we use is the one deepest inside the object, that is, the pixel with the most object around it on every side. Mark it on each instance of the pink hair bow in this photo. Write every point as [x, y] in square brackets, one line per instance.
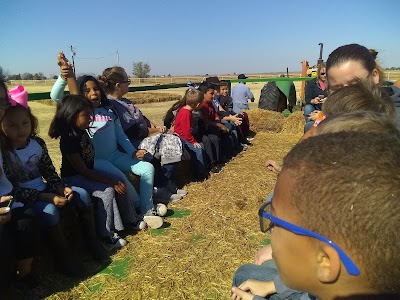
[18, 95]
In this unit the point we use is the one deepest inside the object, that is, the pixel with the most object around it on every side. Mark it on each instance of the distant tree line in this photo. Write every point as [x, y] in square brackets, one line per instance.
[393, 68]
[24, 76]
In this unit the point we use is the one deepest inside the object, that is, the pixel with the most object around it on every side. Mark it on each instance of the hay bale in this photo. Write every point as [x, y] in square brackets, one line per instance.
[262, 120]
[147, 97]
[294, 123]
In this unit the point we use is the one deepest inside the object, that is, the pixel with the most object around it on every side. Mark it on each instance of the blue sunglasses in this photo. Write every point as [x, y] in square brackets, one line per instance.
[268, 221]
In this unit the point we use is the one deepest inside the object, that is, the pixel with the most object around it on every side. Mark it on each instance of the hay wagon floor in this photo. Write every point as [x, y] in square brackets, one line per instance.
[210, 233]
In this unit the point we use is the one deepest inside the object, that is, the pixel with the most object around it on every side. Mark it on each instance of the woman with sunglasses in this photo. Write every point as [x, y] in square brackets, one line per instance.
[315, 94]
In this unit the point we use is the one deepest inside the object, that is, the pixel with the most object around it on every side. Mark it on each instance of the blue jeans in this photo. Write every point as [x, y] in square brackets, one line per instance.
[265, 272]
[308, 109]
[198, 155]
[120, 163]
[49, 215]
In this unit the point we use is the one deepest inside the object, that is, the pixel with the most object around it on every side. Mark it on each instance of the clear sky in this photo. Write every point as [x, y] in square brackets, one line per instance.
[192, 37]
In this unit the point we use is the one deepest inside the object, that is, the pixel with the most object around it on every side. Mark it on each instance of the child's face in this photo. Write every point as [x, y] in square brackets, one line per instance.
[223, 90]
[93, 93]
[83, 119]
[17, 127]
[209, 96]
[291, 252]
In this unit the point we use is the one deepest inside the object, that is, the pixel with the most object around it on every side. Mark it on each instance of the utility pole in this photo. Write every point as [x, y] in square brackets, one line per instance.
[321, 48]
[117, 58]
[73, 54]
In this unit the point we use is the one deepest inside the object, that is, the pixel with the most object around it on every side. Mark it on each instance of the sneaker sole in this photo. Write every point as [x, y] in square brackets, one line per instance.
[162, 209]
[153, 222]
[181, 193]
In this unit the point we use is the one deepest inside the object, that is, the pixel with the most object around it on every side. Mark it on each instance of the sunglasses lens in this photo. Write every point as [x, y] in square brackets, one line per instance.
[267, 222]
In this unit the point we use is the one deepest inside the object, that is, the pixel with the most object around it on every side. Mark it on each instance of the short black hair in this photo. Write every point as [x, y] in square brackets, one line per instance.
[355, 201]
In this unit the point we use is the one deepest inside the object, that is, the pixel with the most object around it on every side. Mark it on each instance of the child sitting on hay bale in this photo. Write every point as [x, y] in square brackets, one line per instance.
[265, 280]
[183, 128]
[209, 143]
[211, 126]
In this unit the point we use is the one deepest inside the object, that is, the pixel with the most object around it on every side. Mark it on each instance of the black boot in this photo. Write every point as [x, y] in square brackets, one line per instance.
[86, 217]
[66, 262]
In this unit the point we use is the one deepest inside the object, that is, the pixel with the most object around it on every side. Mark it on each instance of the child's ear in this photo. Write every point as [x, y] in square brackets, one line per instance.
[329, 263]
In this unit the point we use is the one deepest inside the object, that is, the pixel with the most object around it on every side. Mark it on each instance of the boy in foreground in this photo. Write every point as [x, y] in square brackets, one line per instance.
[338, 237]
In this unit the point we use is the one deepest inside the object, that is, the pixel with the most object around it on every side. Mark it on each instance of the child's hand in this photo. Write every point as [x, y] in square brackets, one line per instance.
[59, 201]
[66, 72]
[68, 193]
[5, 215]
[237, 120]
[62, 60]
[162, 129]
[140, 154]
[314, 115]
[223, 128]
[273, 166]
[250, 288]
[119, 187]
[65, 192]
[197, 145]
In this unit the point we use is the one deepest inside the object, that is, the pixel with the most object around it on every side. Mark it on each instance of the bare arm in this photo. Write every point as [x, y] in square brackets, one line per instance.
[66, 70]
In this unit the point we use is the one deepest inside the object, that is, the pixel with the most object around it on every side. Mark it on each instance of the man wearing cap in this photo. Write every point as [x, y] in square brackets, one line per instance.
[241, 95]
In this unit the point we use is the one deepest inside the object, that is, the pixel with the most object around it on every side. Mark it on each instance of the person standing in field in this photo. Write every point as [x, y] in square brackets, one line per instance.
[241, 95]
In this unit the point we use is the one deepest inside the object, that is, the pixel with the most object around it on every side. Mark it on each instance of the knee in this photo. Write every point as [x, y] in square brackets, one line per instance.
[49, 216]
[242, 274]
[308, 125]
[308, 109]
[146, 169]
[81, 197]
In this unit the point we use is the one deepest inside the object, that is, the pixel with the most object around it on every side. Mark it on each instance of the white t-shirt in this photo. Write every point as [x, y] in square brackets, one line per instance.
[27, 159]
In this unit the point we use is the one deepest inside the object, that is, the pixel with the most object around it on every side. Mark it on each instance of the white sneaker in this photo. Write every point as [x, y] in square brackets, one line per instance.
[161, 209]
[152, 220]
[181, 192]
[165, 196]
[114, 241]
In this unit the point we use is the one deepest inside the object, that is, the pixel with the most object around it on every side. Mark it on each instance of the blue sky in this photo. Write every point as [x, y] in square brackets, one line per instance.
[187, 37]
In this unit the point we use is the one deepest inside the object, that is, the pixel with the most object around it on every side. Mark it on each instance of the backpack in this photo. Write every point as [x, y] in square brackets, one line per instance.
[269, 97]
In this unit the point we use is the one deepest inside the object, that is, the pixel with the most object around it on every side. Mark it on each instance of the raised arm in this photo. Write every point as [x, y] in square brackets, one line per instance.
[66, 76]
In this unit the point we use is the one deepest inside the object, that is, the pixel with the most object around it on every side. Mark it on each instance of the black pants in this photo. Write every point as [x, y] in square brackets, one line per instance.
[19, 239]
[211, 148]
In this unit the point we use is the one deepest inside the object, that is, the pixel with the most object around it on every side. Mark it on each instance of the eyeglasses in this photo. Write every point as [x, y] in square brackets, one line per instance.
[322, 73]
[268, 221]
[127, 81]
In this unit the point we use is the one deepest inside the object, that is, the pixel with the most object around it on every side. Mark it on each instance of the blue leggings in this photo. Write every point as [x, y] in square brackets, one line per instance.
[120, 163]
[49, 215]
